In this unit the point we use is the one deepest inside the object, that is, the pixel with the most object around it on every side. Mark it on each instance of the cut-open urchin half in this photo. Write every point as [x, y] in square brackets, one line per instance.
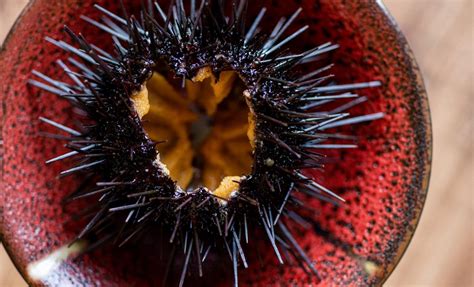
[203, 125]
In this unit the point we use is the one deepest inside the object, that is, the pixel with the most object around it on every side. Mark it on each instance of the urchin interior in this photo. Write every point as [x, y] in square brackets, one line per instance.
[204, 130]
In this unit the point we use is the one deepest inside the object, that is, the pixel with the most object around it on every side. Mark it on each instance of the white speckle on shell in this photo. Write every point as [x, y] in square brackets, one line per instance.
[269, 162]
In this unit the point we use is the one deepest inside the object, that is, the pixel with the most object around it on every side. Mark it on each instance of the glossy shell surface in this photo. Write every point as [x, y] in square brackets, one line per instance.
[359, 243]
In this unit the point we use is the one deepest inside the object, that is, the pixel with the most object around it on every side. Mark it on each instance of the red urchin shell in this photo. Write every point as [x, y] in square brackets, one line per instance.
[384, 182]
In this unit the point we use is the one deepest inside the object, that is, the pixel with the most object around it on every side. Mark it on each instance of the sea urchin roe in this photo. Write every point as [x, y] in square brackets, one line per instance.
[252, 121]
[228, 186]
[141, 102]
[205, 131]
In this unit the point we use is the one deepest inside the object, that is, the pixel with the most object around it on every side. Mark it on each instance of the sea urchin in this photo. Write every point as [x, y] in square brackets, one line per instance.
[200, 124]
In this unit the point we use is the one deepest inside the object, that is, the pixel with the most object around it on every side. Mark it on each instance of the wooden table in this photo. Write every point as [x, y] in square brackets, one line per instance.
[441, 35]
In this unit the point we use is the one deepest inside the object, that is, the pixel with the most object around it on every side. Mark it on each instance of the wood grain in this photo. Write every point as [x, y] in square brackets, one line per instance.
[441, 35]
[9, 11]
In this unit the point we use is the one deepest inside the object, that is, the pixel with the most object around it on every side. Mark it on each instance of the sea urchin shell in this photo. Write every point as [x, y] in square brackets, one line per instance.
[200, 60]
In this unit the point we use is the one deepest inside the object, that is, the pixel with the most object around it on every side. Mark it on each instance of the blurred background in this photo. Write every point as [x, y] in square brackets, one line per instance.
[441, 34]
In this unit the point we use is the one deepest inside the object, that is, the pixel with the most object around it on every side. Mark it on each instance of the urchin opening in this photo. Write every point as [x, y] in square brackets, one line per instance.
[205, 130]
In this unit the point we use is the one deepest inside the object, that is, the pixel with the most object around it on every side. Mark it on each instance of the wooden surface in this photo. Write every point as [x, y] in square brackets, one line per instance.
[441, 35]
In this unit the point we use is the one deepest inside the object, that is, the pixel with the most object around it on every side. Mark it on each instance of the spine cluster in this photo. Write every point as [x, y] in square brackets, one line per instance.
[293, 128]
